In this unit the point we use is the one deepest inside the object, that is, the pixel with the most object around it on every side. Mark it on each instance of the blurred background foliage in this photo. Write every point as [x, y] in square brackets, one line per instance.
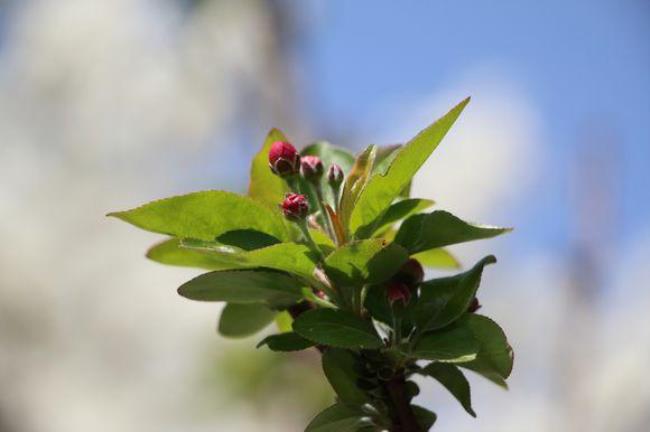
[106, 104]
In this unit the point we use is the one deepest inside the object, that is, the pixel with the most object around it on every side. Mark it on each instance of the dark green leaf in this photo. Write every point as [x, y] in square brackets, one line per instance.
[241, 320]
[444, 300]
[339, 368]
[339, 418]
[205, 216]
[454, 344]
[366, 261]
[437, 258]
[381, 190]
[265, 186]
[425, 418]
[355, 182]
[495, 357]
[337, 328]
[453, 380]
[286, 342]
[247, 239]
[440, 228]
[395, 213]
[243, 286]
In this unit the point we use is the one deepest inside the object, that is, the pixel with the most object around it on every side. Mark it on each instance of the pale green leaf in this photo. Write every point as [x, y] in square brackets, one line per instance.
[437, 258]
[355, 182]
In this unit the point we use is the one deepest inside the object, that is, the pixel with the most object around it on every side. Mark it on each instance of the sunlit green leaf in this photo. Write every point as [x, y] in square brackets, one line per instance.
[265, 186]
[337, 328]
[440, 228]
[241, 320]
[205, 216]
[381, 190]
[437, 258]
[355, 182]
[171, 252]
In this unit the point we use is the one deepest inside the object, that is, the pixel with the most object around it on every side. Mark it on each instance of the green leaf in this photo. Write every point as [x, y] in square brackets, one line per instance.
[453, 380]
[355, 182]
[494, 359]
[265, 186]
[365, 261]
[395, 213]
[385, 156]
[444, 300]
[247, 239]
[205, 216]
[337, 328]
[339, 418]
[381, 190]
[241, 320]
[286, 342]
[437, 258]
[243, 286]
[339, 368]
[454, 344]
[425, 418]
[170, 252]
[284, 321]
[440, 228]
[292, 258]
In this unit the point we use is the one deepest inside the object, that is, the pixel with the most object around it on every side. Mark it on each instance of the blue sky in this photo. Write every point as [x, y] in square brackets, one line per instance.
[581, 62]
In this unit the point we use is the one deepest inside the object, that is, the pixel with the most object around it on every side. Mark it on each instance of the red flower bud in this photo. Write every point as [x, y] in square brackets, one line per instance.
[312, 168]
[284, 160]
[474, 305]
[411, 273]
[295, 206]
[335, 175]
[398, 291]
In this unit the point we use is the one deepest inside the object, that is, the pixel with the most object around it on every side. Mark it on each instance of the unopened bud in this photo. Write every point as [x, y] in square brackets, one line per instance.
[284, 159]
[295, 206]
[474, 305]
[398, 291]
[411, 273]
[335, 175]
[312, 168]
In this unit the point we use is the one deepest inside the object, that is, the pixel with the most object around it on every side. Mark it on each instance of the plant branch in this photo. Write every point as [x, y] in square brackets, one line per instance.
[403, 418]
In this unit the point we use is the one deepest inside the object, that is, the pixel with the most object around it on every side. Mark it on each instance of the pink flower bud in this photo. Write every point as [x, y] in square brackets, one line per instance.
[398, 291]
[474, 305]
[295, 206]
[335, 175]
[312, 168]
[411, 273]
[284, 160]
